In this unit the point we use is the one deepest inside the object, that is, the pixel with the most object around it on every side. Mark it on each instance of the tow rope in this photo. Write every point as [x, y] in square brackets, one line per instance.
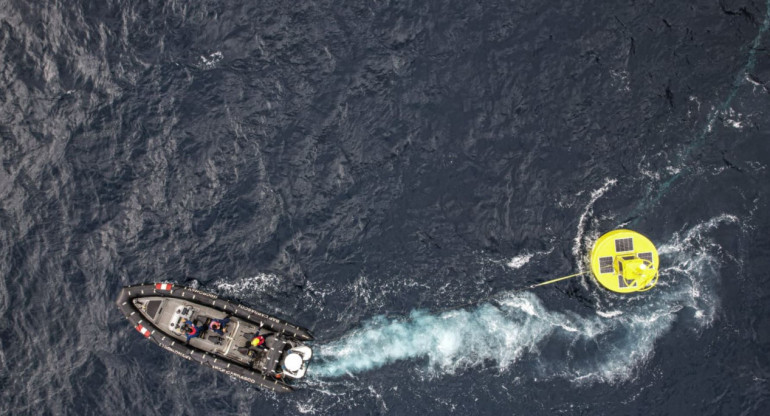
[548, 282]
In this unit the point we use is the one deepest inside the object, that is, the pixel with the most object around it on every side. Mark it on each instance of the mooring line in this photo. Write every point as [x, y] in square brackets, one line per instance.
[548, 282]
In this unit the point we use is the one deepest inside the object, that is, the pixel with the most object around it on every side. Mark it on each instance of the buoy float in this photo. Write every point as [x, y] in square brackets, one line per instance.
[625, 261]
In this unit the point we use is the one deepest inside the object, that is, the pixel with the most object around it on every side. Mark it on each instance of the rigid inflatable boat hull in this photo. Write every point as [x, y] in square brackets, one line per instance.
[283, 331]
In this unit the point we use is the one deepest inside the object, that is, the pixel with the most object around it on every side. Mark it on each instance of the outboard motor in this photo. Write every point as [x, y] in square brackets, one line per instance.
[294, 363]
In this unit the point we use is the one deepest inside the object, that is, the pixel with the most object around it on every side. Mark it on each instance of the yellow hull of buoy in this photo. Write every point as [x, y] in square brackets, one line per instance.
[625, 261]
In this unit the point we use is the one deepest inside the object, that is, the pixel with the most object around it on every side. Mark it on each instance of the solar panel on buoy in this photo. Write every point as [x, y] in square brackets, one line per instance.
[605, 265]
[625, 261]
[624, 244]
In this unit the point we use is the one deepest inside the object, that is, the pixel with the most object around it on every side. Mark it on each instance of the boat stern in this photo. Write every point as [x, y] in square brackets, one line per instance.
[295, 362]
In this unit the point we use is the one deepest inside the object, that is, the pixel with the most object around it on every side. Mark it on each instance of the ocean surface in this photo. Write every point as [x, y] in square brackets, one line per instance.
[388, 174]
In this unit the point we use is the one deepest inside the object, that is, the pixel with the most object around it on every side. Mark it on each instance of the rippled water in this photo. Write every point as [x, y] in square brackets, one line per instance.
[388, 174]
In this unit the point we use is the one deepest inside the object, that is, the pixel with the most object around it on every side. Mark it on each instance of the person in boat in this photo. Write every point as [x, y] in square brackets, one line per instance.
[219, 325]
[190, 330]
[257, 341]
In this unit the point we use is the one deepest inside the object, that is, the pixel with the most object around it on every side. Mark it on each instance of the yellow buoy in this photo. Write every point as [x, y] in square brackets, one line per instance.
[625, 261]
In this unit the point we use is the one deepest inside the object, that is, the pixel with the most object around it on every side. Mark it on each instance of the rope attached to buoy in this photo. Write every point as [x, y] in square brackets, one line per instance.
[548, 282]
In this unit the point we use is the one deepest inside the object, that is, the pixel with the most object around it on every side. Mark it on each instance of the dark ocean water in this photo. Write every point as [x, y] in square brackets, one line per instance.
[387, 174]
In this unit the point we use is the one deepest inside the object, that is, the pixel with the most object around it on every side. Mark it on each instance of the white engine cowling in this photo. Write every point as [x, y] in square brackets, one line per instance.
[295, 361]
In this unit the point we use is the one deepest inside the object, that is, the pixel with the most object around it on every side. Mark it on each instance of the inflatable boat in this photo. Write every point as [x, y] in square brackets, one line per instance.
[234, 339]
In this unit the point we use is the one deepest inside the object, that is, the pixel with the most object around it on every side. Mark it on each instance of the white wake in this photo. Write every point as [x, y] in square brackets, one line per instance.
[602, 346]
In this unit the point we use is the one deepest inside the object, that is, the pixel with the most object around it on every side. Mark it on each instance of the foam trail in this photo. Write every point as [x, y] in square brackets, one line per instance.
[606, 346]
[447, 340]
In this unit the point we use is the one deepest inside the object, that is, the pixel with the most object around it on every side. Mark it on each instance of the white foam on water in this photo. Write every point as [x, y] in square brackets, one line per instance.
[519, 261]
[448, 341]
[208, 62]
[595, 195]
[243, 287]
[609, 314]
[606, 347]
[362, 290]
[732, 118]
[693, 99]
[620, 80]
[651, 174]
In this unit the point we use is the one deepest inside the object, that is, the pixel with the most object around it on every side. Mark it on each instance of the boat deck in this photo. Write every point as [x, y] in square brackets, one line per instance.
[238, 334]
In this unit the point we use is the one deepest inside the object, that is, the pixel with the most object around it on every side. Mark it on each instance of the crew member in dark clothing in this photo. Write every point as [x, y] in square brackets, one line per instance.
[219, 325]
[190, 329]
